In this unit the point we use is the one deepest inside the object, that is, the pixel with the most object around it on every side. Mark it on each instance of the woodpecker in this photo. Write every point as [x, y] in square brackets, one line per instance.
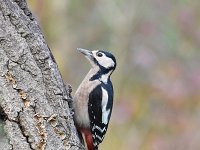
[93, 99]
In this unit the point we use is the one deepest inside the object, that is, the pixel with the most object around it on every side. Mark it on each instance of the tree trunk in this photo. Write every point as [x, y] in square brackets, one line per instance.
[32, 109]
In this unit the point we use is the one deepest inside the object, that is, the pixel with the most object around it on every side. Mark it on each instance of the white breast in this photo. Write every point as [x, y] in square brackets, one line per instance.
[81, 97]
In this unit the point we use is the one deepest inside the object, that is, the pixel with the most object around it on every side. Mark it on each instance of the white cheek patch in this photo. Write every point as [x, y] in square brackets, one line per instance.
[105, 112]
[105, 61]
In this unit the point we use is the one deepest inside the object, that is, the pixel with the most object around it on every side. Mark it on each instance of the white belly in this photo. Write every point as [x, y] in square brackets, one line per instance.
[80, 102]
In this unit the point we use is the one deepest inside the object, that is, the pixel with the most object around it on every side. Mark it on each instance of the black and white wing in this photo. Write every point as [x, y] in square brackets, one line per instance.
[100, 107]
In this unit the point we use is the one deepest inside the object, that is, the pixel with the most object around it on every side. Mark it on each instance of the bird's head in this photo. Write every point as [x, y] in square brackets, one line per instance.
[99, 58]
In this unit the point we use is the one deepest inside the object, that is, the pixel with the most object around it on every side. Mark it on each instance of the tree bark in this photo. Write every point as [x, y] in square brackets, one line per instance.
[32, 108]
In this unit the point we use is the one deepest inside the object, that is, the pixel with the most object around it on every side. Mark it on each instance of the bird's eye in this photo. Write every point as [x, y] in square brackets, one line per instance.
[99, 54]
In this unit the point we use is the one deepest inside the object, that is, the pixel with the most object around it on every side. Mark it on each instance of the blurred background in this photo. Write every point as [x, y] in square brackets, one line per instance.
[157, 80]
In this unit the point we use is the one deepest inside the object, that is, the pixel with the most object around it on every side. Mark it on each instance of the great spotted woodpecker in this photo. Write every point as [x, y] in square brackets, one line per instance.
[93, 99]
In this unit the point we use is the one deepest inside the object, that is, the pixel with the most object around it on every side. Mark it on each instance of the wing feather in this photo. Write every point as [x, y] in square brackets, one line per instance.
[99, 99]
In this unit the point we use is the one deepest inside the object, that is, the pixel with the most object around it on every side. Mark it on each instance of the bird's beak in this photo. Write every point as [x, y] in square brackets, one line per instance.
[85, 52]
[88, 54]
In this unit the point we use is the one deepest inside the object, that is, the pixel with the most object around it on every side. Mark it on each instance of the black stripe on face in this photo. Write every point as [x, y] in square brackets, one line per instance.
[99, 74]
[103, 70]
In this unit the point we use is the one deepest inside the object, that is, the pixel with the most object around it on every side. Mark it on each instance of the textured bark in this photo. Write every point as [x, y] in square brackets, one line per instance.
[32, 108]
